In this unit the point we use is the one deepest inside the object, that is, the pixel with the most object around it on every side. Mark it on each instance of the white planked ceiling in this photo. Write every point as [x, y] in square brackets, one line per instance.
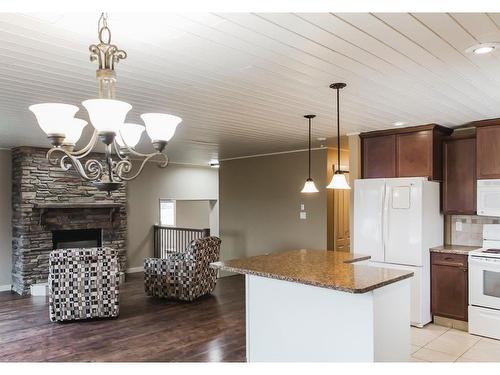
[242, 81]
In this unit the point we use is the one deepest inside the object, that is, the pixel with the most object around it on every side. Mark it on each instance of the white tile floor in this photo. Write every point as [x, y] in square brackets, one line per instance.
[435, 343]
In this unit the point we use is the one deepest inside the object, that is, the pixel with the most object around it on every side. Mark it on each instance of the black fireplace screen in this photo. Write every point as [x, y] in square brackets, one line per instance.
[76, 238]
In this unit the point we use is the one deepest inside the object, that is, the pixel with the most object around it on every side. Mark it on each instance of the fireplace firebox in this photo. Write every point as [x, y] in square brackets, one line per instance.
[76, 238]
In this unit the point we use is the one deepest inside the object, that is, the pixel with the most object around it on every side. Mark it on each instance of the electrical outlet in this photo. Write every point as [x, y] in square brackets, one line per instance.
[458, 226]
[303, 215]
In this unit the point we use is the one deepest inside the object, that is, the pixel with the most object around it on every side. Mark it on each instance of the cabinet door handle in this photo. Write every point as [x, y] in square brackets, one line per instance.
[449, 264]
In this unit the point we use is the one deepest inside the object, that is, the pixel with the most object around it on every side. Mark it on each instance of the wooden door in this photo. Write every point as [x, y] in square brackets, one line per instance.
[341, 230]
[414, 154]
[449, 285]
[459, 180]
[488, 152]
[379, 156]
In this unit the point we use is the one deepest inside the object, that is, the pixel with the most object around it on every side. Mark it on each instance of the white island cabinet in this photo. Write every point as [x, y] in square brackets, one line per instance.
[319, 306]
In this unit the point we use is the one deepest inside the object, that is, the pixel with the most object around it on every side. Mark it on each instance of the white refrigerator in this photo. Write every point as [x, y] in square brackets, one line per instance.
[396, 222]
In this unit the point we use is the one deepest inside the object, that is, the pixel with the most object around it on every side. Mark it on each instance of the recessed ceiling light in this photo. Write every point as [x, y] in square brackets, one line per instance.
[483, 48]
[214, 163]
[399, 123]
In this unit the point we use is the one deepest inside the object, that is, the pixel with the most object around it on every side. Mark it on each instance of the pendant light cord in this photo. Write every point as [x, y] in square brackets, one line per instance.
[309, 147]
[338, 129]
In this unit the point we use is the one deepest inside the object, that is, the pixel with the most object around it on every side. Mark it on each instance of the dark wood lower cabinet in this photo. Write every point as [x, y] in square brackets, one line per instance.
[449, 285]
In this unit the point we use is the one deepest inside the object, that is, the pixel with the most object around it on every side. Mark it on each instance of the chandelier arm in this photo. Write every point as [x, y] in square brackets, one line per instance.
[87, 149]
[163, 164]
[125, 166]
[120, 155]
[67, 160]
[136, 153]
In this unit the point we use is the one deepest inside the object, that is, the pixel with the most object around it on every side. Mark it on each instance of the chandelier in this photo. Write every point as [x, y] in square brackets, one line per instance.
[107, 116]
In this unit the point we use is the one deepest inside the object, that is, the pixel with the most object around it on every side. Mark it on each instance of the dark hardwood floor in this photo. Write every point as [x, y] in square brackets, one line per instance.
[148, 329]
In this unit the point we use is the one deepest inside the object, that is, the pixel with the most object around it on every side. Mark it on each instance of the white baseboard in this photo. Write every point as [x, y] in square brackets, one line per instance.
[4, 288]
[135, 269]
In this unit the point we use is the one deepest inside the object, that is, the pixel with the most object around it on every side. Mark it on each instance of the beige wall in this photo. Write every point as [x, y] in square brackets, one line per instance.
[260, 203]
[144, 193]
[5, 220]
[192, 214]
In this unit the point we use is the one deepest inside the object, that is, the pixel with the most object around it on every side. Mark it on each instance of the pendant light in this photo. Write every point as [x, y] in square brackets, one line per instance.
[338, 180]
[309, 186]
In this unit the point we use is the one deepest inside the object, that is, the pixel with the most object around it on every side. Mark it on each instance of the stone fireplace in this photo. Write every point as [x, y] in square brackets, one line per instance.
[53, 208]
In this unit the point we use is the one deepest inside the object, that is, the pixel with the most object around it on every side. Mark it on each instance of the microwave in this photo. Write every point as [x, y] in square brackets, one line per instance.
[488, 197]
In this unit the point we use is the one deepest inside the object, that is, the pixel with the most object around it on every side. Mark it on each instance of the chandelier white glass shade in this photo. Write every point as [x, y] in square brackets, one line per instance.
[338, 180]
[129, 134]
[160, 126]
[73, 132]
[53, 118]
[107, 115]
[309, 186]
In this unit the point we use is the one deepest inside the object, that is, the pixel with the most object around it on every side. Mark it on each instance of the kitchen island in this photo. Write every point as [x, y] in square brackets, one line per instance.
[315, 305]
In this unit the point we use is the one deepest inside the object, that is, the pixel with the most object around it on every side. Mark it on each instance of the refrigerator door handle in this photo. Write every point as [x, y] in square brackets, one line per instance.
[385, 219]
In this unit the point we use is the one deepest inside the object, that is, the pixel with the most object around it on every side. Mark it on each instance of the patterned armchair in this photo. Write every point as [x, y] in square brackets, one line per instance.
[183, 275]
[83, 284]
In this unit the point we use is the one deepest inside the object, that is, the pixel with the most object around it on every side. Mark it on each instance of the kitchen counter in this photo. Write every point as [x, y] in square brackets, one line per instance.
[321, 306]
[454, 249]
[327, 269]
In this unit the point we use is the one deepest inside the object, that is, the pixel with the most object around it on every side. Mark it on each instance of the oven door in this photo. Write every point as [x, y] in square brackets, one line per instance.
[484, 282]
[488, 197]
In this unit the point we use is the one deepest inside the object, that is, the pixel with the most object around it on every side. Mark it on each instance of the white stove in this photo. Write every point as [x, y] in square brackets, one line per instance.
[484, 285]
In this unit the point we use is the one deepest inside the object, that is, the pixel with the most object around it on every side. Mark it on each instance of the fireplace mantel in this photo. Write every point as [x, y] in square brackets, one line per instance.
[45, 206]
[65, 205]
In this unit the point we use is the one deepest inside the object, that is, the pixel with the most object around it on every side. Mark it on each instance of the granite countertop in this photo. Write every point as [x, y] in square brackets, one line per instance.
[327, 269]
[454, 249]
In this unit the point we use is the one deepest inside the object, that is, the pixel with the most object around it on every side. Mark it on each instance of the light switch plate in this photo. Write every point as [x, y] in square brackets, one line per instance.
[302, 207]
[458, 226]
[303, 215]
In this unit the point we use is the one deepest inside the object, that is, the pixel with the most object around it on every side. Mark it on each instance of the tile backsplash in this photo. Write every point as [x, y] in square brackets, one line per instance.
[472, 229]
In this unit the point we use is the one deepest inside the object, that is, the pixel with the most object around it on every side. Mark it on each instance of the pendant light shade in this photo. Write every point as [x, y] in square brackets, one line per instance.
[338, 180]
[309, 186]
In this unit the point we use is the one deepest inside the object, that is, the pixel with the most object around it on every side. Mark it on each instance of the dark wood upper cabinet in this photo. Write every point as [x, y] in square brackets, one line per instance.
[459, 175]
[414, 154]
[488, 151]
[406, 152]
[379, 156]
[449, 285]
